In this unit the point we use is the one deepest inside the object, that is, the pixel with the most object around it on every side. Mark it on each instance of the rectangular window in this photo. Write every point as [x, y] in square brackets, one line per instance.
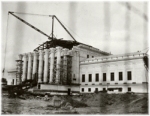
[83, 78]
[82, 89]
[112, 76]
[97, 77]
[129, 88]
[120, 89]
[89, 89]
[104, 76]
[129, 74]
[74, 77]
[39, 86]
[13, 81]
[120, 76]
[96, 89]
[90, 77]
[87, 56]
[104, 89]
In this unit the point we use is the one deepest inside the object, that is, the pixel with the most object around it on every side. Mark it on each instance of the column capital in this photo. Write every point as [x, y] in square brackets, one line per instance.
[46, 50]
[35, 53]
[65, 50]
[58, 48]
[70, 52]
[52, 50]
[30, 54]
[25, 55]
[41, 52]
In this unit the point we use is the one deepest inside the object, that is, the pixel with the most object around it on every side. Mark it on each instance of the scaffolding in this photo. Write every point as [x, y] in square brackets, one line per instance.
[35, 75]
[19, 65]
[65, 70]
[37, 69]
[69, 70]
[61, 71]
[54, 71]
[49, 60]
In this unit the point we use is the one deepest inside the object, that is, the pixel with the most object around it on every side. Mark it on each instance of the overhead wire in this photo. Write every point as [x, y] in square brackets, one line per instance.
[55, 28]
[136, 11]
[32, 14]
[6, 44]
[33, 27]
[145, 26]
[36, 15]
[71, 30]
[145, 48]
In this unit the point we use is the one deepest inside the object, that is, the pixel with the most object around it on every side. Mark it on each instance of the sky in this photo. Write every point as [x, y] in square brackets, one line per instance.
[110, 27]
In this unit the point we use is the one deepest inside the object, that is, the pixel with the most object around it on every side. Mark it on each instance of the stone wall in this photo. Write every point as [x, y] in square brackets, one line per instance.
[134, 64]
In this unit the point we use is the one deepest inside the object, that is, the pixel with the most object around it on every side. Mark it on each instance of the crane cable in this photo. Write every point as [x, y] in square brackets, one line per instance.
[71, 30]
[38, 15]
[136, 11]
[6, 44]
[7, 35]
[53, 16]
[32, 14]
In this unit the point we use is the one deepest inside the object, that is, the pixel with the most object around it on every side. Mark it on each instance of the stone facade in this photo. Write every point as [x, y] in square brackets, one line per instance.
[122, 72]
[86, 66]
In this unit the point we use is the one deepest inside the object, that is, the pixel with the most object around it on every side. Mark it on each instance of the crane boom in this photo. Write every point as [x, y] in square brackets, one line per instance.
[30, 25]
[64, 28]
[33, 27]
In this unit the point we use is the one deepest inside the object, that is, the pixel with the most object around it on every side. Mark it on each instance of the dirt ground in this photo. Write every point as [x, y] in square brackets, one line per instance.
[99, 103]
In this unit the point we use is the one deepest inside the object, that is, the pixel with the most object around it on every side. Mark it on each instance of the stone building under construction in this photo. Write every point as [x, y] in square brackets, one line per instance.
[83, 68]
[63, 66]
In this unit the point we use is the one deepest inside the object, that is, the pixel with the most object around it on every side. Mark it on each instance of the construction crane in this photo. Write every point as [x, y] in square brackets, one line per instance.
[33, 27]
[53, 41]
[22, 87]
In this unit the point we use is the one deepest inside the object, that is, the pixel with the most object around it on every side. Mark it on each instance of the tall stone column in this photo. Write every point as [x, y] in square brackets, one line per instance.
[64, 79]
[46, 65]
[52, 56]
[58, 64]
[40, 66]
[20, 68]
[69, 67]
[24, 74]
[29, 76]
[34, 73]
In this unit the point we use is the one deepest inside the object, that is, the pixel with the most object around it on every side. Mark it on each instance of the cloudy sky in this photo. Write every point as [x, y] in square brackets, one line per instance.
[110, 27]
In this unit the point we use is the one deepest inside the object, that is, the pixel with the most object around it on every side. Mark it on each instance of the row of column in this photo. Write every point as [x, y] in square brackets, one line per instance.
[46, 55]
